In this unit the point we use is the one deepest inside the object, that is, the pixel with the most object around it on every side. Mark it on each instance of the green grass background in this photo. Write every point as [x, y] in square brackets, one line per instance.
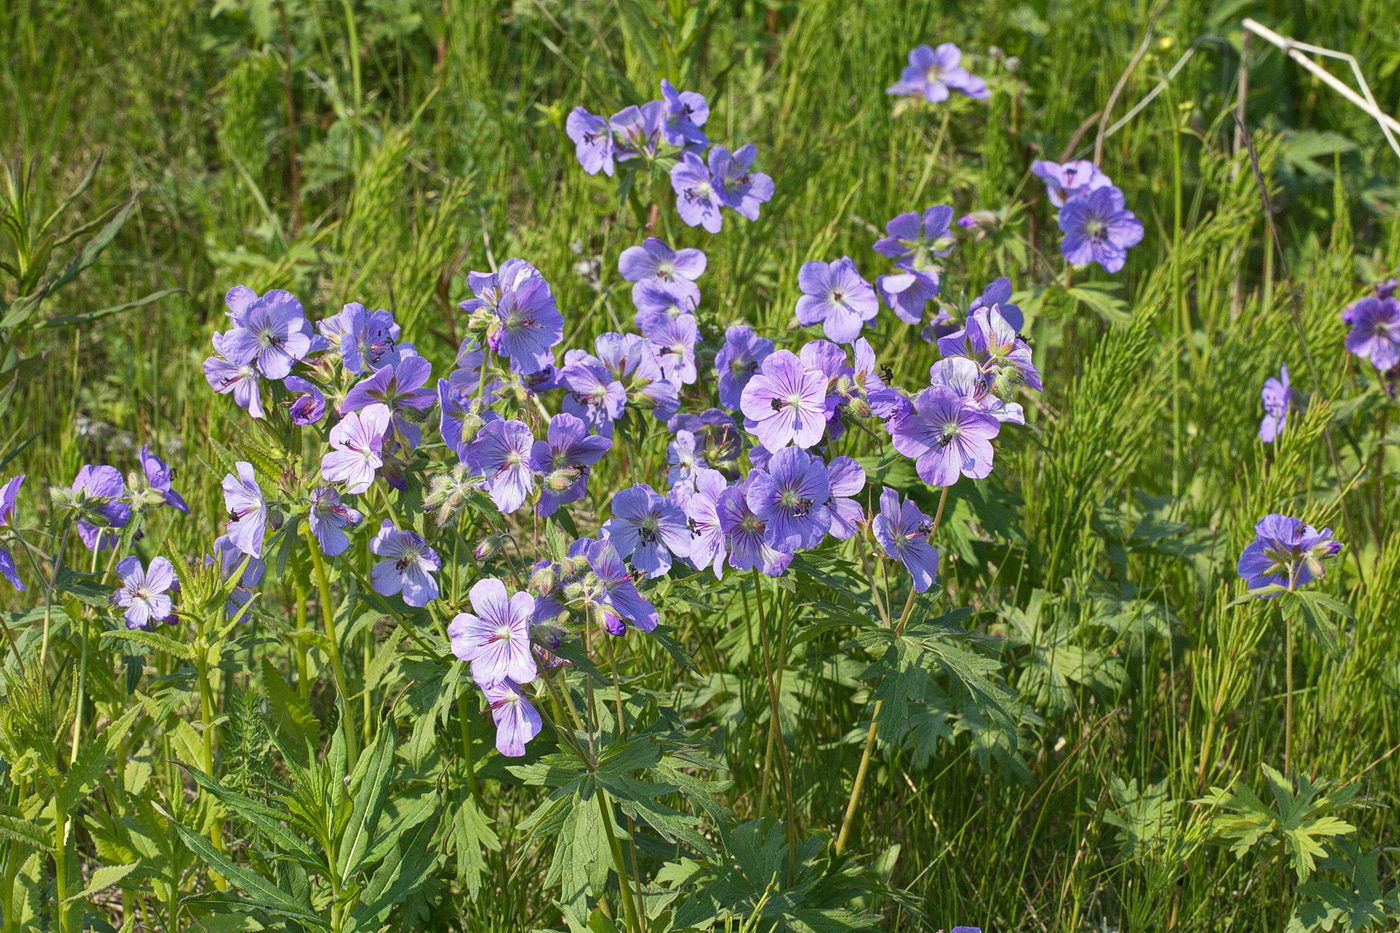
[424, 139]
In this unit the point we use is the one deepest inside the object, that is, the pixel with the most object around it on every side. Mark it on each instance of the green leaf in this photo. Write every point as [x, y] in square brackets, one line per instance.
[162, 643]
[263, 817]
[1099, 297]
[24, 307]
[17, 827]
[398, 875]
[263, 893]
[102, 879]
[85, 587]
[94, 759]
[87, 317]
[368, 785]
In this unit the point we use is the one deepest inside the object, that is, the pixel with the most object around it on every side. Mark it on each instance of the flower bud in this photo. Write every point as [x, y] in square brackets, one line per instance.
[562, 479]
[544, 579]
[491, 545]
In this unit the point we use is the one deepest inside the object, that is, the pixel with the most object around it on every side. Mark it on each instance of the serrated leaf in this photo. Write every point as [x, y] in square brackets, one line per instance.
[102, 879]
[159, 642]
[17, 827]
[94, 759]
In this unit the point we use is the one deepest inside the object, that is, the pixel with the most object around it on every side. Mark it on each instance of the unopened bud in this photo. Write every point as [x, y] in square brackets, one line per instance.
[491, 545]
[544, 579]
[562, 479]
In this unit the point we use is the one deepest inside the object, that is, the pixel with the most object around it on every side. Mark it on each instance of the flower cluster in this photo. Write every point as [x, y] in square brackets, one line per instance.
[668, 133]
[752, 475]
[1094, 218]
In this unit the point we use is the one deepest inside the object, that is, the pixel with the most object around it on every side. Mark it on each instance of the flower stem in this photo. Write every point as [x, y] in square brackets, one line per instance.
[852, 805]
[323, 590]
[1287, 695]
[624, 880]
[62, 908]
[776, 745]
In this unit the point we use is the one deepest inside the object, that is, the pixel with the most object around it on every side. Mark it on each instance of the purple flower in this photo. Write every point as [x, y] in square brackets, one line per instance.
[989, 340]
[903, 531]
[655, 261]
[663, 299]
[907, 293]
[932, 72]
[718, 441]
[517, 722]
[998, 295]
[310, 405]
[230, 559]
[683, 459]
[829, 360]
[785, 403]
[496, 640]
[144, 593]
[1099, 228]
[501, 455]
[740, 188]
[701, 507]
[9, 493]
[686, 112]
[158, 477]
[745, 535]
[673, 341]
[247, 510]
[271, 331]
[564, 459]
[737, 361]
[1064, 183]
[1375, 331]
[967, 379]
[847, 479]
[648, 528]
[528, 321]
[408, 566]
[1285, 553]
[1278, 397]
[633, 362]
[368, 340]
[227, 373]
[454, 403]
[400, 387]
[792, 499]
[835, 296]
[327, 517]
[96, 492]
[946, 435]
[617, 592]
[914, 241]
[359, 448]
[698, 195]
[593, 394]
[592, 141]
[637, 130]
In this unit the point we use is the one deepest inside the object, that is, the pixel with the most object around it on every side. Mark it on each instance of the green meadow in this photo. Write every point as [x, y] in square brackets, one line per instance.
[1090, 724]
